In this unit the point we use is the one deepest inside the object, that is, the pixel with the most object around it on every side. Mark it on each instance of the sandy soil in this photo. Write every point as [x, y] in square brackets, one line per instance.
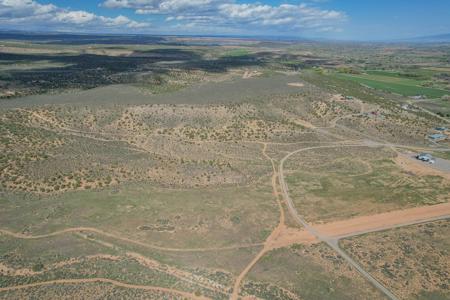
[384, 220]
[287, 236]
[272, 237]
[4, 269]
[284, 236]
[250, 74]
[296, 84]
[180, 274]
[303, 123]
[142, 260]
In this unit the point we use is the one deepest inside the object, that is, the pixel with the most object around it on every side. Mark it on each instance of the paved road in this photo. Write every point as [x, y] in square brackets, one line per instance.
[333, 243]
[441, 164]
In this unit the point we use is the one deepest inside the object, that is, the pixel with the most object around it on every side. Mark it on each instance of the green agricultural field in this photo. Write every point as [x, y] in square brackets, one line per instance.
[441, 107]
[415, 74]
[394, 84]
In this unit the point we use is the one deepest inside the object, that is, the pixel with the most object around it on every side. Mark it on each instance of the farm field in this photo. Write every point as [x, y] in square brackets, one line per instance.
[219, 168]
[395, 84]
[440, 107]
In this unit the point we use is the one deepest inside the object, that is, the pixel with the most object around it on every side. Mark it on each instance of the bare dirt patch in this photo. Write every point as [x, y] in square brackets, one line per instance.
[303, 123]
[296, 84]
[250, 74]
[288, 236]
[384, 220]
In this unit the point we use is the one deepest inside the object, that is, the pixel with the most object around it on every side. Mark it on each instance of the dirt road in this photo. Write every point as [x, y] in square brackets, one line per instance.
[104, 280]
[331, 233]
[383, 221]
[273, 236]
[374, 223]
[121, 238]
[333, 243]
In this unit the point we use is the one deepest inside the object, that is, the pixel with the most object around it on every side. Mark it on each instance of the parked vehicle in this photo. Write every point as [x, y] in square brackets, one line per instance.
[426, 157]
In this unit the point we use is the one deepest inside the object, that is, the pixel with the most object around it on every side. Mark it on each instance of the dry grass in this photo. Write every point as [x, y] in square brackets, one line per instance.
[412, 261]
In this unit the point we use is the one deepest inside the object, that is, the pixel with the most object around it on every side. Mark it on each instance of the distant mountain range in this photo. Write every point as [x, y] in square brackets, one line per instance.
[441, 38]
[86, 38]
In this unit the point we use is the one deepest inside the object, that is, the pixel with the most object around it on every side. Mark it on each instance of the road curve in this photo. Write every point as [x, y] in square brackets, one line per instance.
[333, 243]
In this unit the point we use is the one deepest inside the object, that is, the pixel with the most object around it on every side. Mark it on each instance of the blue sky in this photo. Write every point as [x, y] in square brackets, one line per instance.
[337, 19]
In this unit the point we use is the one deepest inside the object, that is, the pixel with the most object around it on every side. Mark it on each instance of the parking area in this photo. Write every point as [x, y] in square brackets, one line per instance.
[438, 164]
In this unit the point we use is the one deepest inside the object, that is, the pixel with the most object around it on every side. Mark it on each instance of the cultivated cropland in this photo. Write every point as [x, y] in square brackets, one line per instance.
[223, 168]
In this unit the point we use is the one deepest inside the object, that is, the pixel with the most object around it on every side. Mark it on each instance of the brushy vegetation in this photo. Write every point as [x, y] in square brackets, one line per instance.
[306, 272]
[412, 261]
[338, 184]
[162, 146]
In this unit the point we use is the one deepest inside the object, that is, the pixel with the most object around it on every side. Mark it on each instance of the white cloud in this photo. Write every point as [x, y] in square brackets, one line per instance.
[218, 16]
[294, 16]
[164, 6]
[229, 13]
[34, 14]
[23, 8]
[74, 17]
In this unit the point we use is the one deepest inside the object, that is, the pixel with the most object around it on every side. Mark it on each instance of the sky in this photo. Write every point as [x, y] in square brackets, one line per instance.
[332, 19]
